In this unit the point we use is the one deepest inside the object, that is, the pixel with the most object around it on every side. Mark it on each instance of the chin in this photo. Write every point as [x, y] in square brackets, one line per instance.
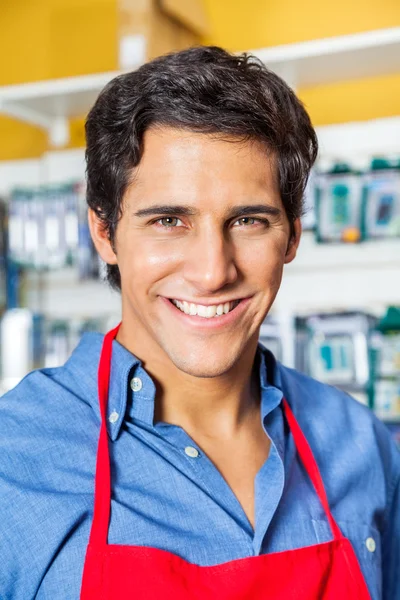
[205, 364]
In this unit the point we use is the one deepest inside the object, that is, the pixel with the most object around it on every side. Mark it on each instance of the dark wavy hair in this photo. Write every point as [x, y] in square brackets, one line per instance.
[202, 89]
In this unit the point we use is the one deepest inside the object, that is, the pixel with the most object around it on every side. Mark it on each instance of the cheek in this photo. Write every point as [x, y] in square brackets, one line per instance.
[263, 260]
[146, 262]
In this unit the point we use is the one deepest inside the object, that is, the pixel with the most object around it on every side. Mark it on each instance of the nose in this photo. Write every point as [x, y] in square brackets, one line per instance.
[209, 264]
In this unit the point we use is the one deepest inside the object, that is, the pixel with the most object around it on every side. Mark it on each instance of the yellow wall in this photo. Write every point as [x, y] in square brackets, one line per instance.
[46, 39]
[242, 25]
[273, 22]
[42, 39]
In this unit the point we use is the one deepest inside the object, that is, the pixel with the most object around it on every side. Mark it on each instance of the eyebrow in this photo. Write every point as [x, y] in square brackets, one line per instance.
[251, 209]
[188, 211]
[167, 209]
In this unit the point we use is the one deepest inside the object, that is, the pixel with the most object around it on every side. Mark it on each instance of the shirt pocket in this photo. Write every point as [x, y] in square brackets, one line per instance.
[366, 542]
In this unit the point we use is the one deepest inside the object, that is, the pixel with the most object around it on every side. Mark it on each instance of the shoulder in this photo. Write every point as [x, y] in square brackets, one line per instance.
[44, 393]
[48, 440]
[49, 411]
[325, 411]
[340, 429]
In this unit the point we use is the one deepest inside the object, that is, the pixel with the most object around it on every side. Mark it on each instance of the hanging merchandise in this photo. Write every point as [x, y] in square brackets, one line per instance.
[57, 345]
[88, 259]
[62, 336]
[54, 238]
[381, 200]
[308, 218]
[338, 195]
[78, 327]
[31, 341]
[48, 229]
[270, 337]
[337, 351]
[385, 351]
[16, 244]
[301, 344]
[386, 399]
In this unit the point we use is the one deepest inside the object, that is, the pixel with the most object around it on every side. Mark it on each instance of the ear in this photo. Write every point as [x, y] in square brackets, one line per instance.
[293, 242]
[100, 238]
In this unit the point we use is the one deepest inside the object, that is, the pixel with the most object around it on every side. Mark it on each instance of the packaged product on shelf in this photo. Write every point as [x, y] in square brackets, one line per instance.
[38, 340]
[338, 350]
[72, 223]
[57, 344]
[387, 399]
[386, 345]
[381, 200]
[88, 259]
[389, 355]
[338, 196]
[16, 226]
[54, 227]
[308, 218]
[386, 366]
[271, 337]
[44, 226]
[32, 222]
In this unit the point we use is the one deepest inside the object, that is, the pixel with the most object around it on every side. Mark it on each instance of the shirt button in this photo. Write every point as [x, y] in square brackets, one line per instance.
[113, 418]
[136, 384]
[192, 452]
[371, 545]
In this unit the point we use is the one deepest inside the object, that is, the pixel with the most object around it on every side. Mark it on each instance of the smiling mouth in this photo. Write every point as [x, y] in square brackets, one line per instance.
[206, 312]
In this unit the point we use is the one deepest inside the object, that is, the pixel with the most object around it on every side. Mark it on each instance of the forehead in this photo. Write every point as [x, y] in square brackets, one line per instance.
[189, 163]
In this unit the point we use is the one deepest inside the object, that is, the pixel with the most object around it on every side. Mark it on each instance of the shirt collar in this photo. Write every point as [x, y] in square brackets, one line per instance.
[123, 365]
[83, 365]
[270, 381]
[142, 402]
[126, 370]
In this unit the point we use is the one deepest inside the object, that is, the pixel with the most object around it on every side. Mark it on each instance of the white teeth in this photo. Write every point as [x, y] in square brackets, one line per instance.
[201, 310]
[208, 312]
[211, 311]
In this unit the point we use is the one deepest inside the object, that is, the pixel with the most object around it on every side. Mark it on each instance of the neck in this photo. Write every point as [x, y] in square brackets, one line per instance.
[217, 407]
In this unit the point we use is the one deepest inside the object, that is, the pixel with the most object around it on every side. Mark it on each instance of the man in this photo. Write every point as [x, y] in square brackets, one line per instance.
[231, 475]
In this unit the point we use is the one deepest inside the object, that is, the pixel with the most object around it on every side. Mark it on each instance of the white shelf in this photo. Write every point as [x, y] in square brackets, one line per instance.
[49, 104]
[60, 294]
[330, 277]
[335, 59]
[372, 254]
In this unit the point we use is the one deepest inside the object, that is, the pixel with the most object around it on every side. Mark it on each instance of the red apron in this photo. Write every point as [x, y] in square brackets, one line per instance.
[327, 571]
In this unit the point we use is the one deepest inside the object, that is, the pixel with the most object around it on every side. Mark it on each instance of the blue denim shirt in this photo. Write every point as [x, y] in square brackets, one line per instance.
[162, 497]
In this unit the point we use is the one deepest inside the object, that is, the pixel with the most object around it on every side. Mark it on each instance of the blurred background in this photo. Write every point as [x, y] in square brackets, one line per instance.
[337, 316]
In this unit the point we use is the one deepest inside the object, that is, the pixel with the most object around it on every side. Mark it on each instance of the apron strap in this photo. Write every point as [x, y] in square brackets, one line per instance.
[102, 493]
[102, 486]
[311, 467]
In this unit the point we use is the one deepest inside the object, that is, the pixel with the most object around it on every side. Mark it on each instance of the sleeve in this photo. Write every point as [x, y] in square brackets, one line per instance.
[391, 544]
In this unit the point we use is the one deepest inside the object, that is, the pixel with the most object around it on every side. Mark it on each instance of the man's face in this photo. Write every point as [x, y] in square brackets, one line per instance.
[200, 246]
